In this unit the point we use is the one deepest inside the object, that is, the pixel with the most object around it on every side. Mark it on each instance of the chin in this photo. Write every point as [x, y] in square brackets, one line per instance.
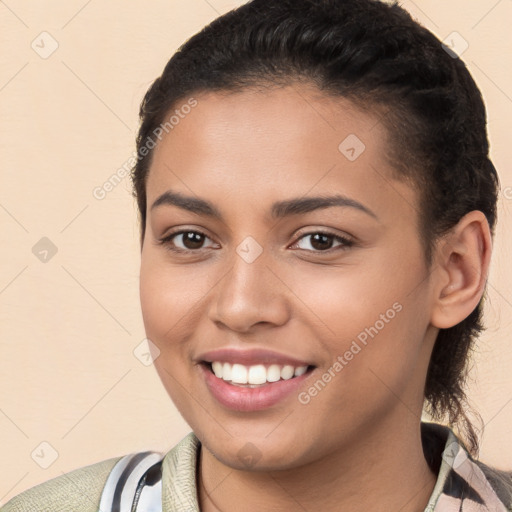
[253, 453]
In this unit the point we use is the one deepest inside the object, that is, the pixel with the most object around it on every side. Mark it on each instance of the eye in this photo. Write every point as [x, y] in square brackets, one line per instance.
[319, 241]
[184, 240]
[188, 240]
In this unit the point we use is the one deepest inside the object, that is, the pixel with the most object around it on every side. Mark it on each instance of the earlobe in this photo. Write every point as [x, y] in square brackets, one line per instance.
[461, 262]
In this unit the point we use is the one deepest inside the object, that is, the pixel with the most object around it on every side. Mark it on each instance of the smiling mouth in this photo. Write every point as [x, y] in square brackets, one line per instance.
[254, 376]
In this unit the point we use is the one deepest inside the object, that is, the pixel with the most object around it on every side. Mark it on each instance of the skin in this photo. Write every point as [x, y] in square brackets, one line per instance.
[349, 446]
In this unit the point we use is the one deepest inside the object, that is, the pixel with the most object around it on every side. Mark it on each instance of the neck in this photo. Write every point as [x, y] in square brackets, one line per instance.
[385, 470]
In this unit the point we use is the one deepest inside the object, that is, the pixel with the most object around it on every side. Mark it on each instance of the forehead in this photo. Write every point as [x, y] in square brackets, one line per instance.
[259, 146]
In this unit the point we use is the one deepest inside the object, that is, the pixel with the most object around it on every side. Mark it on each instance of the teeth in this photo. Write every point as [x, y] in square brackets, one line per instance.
[239, 374]
[287, 372]
[217, 369]
[226, 372]
[300, 370]
[256, 374]
[273, 373]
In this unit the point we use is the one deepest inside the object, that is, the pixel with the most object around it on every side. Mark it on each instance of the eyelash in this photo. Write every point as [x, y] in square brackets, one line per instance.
[345, 242]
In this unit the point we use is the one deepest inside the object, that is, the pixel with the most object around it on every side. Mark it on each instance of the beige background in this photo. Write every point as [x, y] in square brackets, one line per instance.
[69, 326]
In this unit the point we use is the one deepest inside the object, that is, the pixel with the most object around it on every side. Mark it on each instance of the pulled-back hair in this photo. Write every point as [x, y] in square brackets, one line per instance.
[378, 57]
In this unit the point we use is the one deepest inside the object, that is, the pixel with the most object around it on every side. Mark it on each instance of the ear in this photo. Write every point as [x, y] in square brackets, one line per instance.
[461, 265]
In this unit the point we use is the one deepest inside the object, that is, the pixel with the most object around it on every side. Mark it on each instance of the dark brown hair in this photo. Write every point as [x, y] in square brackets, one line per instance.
[377, 56]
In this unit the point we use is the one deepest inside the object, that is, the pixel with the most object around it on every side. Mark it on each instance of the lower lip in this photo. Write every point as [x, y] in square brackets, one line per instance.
[245, 399]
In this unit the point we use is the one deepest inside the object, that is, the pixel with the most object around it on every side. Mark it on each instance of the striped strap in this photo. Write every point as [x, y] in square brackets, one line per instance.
[135, 483]
[466, 488]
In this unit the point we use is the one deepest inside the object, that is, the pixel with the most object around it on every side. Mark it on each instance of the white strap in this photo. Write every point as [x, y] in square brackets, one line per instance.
[119, 490]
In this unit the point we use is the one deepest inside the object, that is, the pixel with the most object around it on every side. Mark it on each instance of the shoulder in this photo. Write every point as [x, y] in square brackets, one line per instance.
[501, 482]
[460, 475]
[77, 490]
[119, 478]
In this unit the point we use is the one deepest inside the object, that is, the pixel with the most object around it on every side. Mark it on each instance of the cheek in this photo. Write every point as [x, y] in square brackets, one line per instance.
[167, 310]
[348, 299]
[160, 292]
[152, 297]
[372, 315]
[172, 298]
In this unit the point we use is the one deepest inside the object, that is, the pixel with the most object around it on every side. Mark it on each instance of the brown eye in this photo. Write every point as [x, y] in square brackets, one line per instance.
[322, 242]
[185, 240]
[192, 239]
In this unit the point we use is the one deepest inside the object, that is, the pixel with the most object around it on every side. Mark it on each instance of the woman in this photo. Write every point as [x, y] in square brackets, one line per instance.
[317, 207]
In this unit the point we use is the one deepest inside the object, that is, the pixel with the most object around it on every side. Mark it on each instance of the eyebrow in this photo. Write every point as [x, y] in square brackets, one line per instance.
[278, 210]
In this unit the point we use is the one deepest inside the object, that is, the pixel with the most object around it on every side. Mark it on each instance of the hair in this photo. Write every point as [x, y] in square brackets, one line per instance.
[375, 55]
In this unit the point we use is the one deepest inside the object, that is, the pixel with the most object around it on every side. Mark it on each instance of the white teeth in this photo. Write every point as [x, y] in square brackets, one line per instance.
[226, 372]
[256, 374]
[239, 374]
[217, 369]
[273, 373]
[287, 372]
[300, 370]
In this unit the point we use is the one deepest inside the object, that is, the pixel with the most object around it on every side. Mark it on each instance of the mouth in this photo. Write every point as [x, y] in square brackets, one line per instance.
[256, 387]
[254, 376]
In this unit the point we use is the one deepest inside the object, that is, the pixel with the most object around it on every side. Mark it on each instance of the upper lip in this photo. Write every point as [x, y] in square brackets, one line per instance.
[250, 357]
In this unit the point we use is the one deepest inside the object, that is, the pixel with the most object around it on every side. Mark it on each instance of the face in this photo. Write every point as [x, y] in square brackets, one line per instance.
[279, 249]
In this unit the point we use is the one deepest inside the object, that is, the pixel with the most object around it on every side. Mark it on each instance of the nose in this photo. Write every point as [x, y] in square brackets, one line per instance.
[250, 295]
